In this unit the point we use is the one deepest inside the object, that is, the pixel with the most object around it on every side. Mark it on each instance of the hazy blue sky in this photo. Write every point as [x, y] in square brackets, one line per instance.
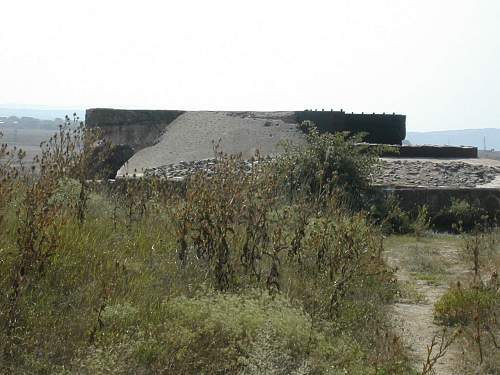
[438, 61]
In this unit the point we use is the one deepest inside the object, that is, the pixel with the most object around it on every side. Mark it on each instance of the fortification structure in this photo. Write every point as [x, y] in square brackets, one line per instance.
[380, 128]
[174, 142]
[141, 128]
[134, 128]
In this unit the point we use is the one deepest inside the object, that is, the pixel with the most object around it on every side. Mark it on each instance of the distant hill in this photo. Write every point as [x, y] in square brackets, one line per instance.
[41, 113]
[466, 137]
[27, 133]
[30, 123]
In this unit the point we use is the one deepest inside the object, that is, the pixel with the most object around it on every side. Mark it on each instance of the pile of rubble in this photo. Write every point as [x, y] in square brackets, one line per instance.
[185, 168]
[391, 172]
[396, 172]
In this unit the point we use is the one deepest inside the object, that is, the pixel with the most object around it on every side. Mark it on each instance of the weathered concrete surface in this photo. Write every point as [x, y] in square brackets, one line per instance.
[107, 162]
[238, 130]
[379, 128]
[190, 137]
[436, 182]
[135, 128]
[167, 140]
[436, 151]
[436, 199]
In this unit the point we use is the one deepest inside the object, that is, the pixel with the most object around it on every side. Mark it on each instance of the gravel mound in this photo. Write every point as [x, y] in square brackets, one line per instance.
[187, 145]
[435, 172]
[391, 172]
[191, 136]
[209, 166]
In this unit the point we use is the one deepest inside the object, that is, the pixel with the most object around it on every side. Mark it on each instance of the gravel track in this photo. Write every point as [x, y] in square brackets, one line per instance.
[414, 321]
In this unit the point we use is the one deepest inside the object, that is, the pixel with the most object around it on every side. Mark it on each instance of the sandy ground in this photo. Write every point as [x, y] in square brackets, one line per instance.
[190, 137]
[414, 321]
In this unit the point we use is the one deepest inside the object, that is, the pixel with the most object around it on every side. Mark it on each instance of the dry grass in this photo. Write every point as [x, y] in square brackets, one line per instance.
[230, 274]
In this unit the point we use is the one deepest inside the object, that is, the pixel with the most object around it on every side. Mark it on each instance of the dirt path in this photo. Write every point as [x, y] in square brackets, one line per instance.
[423, 285]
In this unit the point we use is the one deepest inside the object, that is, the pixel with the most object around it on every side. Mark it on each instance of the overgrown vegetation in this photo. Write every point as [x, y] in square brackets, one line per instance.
[473, 303]
[461, 216]
[276, 270]
[239, 272]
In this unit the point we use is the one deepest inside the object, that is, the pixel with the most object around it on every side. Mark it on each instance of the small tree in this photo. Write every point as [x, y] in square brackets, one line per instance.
[329, 162]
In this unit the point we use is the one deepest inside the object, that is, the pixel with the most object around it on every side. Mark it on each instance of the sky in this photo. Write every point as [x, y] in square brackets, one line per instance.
[437, 61]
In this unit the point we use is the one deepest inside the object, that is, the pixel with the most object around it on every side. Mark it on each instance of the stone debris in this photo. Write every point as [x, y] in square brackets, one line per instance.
[391, 172]
[183, 169]
[434, 174]
[192, 136]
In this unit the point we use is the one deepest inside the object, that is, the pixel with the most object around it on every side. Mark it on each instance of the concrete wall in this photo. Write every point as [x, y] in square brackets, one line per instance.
[436, 199]
[325, 121]
[381, 128]
[135, 128]
[140, 128]
[429, 151]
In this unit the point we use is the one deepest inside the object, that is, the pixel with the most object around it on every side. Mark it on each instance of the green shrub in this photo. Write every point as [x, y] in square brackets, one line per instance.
[388, 214]
[460, 215]
[226, 274]
[459, 306]
[329, 162]
[422, 222]
[66, 193]
[249, 333]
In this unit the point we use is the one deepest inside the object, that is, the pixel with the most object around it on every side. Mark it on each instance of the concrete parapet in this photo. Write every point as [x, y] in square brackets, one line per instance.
[431, 151]
[437, 199]
[380, 128]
